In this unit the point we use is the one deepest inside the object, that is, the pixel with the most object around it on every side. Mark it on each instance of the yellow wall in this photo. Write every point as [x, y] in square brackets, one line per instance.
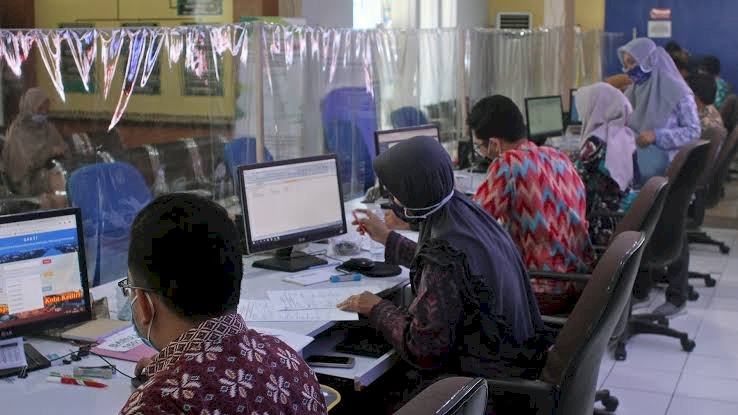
[590, 14]
[111, 13]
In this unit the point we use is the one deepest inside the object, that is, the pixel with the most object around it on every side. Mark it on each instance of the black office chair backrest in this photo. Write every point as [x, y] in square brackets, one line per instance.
[450, 396]
[574, 361]
[729, 112]
[667, 240]
[722, 169]
[716, 137]
[646, 209]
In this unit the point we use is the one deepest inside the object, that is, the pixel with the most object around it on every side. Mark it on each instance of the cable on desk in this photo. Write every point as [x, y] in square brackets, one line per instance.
[111, 365]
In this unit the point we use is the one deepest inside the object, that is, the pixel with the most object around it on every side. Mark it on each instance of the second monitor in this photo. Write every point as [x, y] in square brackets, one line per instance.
[291, 202]
[545, 118]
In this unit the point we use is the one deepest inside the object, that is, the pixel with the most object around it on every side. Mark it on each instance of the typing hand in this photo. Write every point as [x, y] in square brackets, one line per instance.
[645, 139]
[360, 303]
[393, 222]
[141, 365]
[372, 225]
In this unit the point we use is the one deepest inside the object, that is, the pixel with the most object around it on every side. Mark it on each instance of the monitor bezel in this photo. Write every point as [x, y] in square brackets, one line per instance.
[541, 138]
[573, 91]
[66, 320]
[377, 133]
[290, 240]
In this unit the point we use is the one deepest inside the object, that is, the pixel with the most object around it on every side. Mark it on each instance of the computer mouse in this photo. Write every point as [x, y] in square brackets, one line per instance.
[359, 264]
[139, 380]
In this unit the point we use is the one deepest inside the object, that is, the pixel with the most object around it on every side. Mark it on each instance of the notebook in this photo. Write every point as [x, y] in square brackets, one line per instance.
[95, 330]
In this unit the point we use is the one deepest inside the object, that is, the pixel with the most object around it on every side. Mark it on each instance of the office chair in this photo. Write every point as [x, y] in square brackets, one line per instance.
[449, 396]
[709, 192]
[729, 112]
[109, 196]
[349, 118]
[667, 242]
[240, 152]
[407, 117]
[569, 378]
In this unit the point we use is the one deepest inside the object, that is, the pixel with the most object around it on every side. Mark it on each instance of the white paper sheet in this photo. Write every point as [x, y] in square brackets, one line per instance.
[311, 277]
[12, 354]
[266, 310]
[315, 299]
[294, 340]
[122, 341]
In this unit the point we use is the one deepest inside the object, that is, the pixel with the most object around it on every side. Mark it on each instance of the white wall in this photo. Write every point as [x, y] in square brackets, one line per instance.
[472, 13]
[328, 13]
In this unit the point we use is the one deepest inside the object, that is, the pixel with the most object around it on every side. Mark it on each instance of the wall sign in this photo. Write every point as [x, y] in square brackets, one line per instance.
[659, 25]
[199, 7]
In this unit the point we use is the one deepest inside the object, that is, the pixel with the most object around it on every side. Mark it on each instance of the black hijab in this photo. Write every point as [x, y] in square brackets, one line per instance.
[418, 172]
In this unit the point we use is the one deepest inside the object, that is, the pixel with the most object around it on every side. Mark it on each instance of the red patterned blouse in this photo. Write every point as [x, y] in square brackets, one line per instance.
[223, 367]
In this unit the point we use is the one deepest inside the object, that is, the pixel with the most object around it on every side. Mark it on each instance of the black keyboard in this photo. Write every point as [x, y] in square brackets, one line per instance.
[34, 359]
[364, 341]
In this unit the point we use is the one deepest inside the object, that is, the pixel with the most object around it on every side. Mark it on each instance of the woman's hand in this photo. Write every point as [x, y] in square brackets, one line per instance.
[645, 139]
[393, 222]
[373, 226]
[360, 303]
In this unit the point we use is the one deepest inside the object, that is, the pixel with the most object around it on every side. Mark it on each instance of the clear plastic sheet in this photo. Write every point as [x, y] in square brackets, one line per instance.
[143, 111]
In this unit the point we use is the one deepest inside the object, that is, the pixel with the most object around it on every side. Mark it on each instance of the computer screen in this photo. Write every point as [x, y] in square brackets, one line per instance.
[43, 277]
[544, 116]
[387, 138]
[573, 113]
[291, 202]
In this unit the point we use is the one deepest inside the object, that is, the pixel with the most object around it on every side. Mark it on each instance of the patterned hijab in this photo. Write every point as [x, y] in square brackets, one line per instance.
[655, 99]
[604, 112]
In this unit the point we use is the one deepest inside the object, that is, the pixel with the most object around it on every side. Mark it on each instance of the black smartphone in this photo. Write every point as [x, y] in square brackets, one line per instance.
[331, 361]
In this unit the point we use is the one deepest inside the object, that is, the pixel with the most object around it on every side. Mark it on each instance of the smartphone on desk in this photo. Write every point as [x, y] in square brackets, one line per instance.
[331, 361]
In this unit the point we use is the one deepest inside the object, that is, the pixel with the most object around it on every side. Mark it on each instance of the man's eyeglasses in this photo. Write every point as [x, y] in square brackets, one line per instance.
[126, 287]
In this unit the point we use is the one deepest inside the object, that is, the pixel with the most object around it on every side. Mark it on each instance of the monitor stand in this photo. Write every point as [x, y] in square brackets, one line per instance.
[288, 261]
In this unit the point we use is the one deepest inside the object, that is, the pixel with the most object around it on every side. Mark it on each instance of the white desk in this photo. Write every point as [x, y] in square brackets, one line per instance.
[34, 395]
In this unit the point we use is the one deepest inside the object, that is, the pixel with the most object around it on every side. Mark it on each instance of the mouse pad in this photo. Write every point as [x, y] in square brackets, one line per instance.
[379, 270]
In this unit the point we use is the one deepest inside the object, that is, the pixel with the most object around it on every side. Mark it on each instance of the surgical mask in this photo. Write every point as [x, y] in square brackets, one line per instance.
[638, 75]
[146, 340]
[39, 118]
[403, 212]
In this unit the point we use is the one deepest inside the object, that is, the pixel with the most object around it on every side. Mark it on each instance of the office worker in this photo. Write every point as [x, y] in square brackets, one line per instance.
[31, 144]
[704, 87]
[474, 312]
[605, 161]
[664, 114]
[184, 281]
[710, 65]
[538, 195]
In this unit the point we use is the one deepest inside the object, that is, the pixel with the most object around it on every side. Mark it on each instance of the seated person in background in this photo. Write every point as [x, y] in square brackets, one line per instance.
[704, 87]
[679, 56]
[664, 117]
[606, 159]
[474, 313]
[31, 144]
[538, 195]
[710, 65]
[185, 270]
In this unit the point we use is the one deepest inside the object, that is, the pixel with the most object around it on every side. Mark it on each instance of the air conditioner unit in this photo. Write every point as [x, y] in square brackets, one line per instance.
[514, 20]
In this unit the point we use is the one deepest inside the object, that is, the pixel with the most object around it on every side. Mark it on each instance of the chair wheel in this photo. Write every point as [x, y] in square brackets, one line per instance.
[710, 282]
[724, 249]
[688, 345]
[620, 353]
[610, 403]
[693, 295]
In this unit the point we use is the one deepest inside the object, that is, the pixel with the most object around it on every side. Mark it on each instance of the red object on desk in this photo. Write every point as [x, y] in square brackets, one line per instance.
[66, 380]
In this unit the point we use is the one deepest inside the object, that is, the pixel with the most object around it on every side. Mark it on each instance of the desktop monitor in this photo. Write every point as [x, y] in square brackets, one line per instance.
[385, 139]
[43, 275]
[573, 113]
[545, 118]
[290, 202]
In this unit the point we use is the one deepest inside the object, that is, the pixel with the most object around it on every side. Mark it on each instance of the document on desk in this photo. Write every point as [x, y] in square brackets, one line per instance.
[294, 340]
[122, 341]
[12, 354]
[315, 299]
[266, 310]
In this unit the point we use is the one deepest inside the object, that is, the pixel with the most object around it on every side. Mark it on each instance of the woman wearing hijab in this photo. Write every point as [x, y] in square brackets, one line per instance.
[606, 159]
[664, 114]
[474, 312]
[31, 144]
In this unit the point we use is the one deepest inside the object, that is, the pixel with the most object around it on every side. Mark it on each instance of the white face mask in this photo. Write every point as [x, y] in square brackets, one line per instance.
[431, 209]
[147, 340]
[39, 118]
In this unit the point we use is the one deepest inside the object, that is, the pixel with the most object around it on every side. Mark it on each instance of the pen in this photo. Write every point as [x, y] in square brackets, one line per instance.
[362, 229]
[346, 278]
[56, 377]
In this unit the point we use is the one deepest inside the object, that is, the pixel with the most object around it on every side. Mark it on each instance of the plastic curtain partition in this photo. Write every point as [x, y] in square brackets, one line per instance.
[136, 112]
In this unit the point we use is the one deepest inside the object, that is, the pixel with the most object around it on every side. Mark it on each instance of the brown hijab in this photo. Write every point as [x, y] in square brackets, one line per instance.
[30, 145]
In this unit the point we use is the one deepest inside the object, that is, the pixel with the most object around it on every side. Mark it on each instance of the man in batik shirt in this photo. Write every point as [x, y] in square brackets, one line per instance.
[184, 281]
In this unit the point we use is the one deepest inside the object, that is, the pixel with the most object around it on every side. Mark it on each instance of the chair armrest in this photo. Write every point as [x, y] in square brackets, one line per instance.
[555, 322]
[607, 213]
[541, 394]
[559, 276]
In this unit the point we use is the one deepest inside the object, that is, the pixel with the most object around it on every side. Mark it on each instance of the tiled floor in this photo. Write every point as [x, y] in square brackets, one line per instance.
[658, 378]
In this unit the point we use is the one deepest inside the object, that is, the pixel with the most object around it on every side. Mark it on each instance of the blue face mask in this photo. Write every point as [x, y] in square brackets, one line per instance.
[637, 75]
[39, 118]
[146, 340]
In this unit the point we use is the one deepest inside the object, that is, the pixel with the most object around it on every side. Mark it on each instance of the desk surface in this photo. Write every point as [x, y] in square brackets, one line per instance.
[34, 395]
